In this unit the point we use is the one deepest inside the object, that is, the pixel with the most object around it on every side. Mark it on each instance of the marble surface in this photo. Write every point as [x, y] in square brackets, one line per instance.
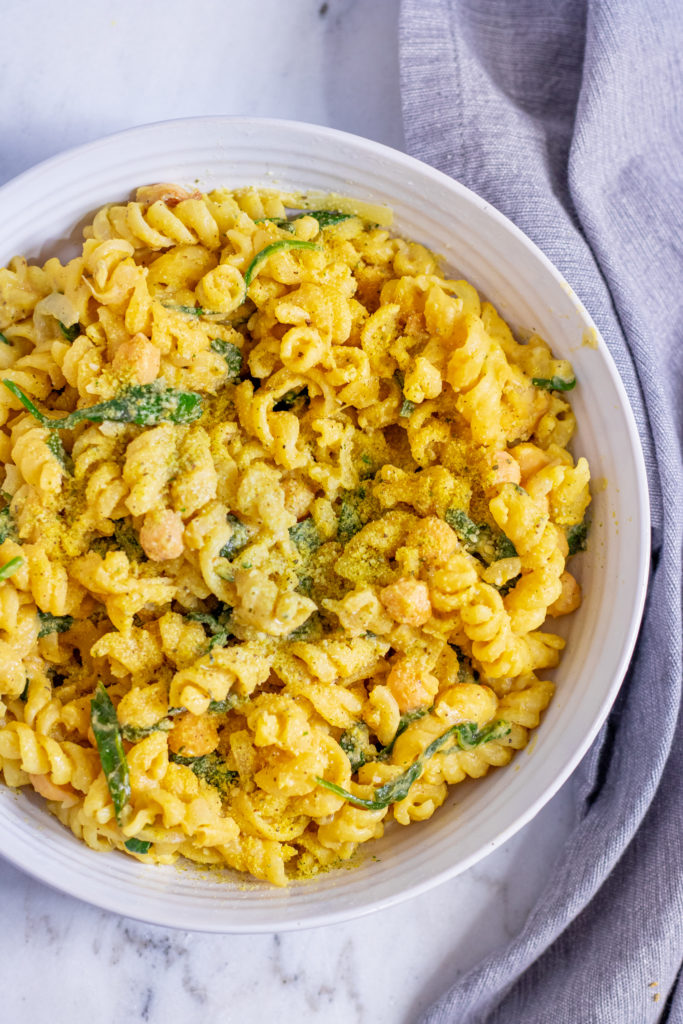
[75, 72]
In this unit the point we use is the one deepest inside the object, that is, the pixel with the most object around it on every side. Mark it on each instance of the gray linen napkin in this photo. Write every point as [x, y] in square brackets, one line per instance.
[567, 116]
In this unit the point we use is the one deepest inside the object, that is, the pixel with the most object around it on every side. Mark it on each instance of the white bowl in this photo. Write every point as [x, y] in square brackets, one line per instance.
[39, 209]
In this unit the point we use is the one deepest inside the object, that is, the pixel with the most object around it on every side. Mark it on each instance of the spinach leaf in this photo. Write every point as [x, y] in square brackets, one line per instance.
[239, 538]
[577, 537]
[53, 623]
[349, 521]
[291, 398]
[509, 585]
[553, 383]
[312, 628]
[107, 732]
[221, 707]
[124, 538]
[127, 540]
[305, 536]
[70, 333]
[218, 626]
[9, 568]
[4, 340]
[144, 404]
[408, 407]
[209, 767]
[355, 742]
[467, 736]
[325, 218]
[137, 845]
[480, 541]
[192, 310]
[56, 448]
[280, 222]
[232, 355]
[466, 529]
[466, 673]
[404, 721]
[7, 527]
[265, 254]
[135, 733]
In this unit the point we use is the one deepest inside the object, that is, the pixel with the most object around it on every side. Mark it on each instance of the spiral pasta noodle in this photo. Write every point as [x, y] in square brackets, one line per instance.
[284, 511]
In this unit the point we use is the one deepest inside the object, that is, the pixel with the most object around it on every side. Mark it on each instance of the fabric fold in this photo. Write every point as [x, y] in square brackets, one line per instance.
[568, 118]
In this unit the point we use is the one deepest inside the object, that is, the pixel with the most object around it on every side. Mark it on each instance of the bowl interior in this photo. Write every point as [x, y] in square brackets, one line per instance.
[38, 212]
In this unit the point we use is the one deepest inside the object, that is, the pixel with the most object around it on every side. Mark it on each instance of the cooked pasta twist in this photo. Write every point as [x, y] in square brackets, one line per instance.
[283, 513]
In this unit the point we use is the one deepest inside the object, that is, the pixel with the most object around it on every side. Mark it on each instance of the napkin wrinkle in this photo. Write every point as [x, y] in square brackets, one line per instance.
[567, 118]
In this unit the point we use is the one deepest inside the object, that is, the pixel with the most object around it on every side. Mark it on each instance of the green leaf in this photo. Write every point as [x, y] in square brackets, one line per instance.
[9, 568]
[135, 733]
[480, 541]
[407, 408]
[24, 693]
[53, 623]
[325, 218]
[107, 732]
[137, 845]
[281, 246]
[577, 537]
[232, 355]
[127, 540]
[144, 404]
[70, 333]
[311, 629]
[504, 547]
[553, 383]
[192, 310]
[406, 719]
[123, 539]
[305, 536]
[509, 585]
[7, 528]
[290, 399]
[355, 742]
[218, 626]
[211, 768]
[466, 673]
[239, 538]
[4, 340]
[221, 707]
[349, 521]
[466, 529]
[467, 736]
[56, 448]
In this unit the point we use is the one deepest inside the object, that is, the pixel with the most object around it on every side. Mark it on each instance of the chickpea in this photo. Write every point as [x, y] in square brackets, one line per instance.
[193, 735]
[434, 540]
[412, 686]
[504, 469]
[407, 601]
[161, 535]
[530, 458]
[569, 599]
[139, 357]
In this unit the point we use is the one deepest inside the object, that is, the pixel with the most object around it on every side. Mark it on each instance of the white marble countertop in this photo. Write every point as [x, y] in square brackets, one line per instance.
[74, 72]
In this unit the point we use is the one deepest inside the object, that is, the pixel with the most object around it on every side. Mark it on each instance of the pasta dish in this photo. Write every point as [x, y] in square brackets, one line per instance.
[284, 512]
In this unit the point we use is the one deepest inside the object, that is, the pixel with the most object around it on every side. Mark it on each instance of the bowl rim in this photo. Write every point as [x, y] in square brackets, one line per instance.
[34, 175]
